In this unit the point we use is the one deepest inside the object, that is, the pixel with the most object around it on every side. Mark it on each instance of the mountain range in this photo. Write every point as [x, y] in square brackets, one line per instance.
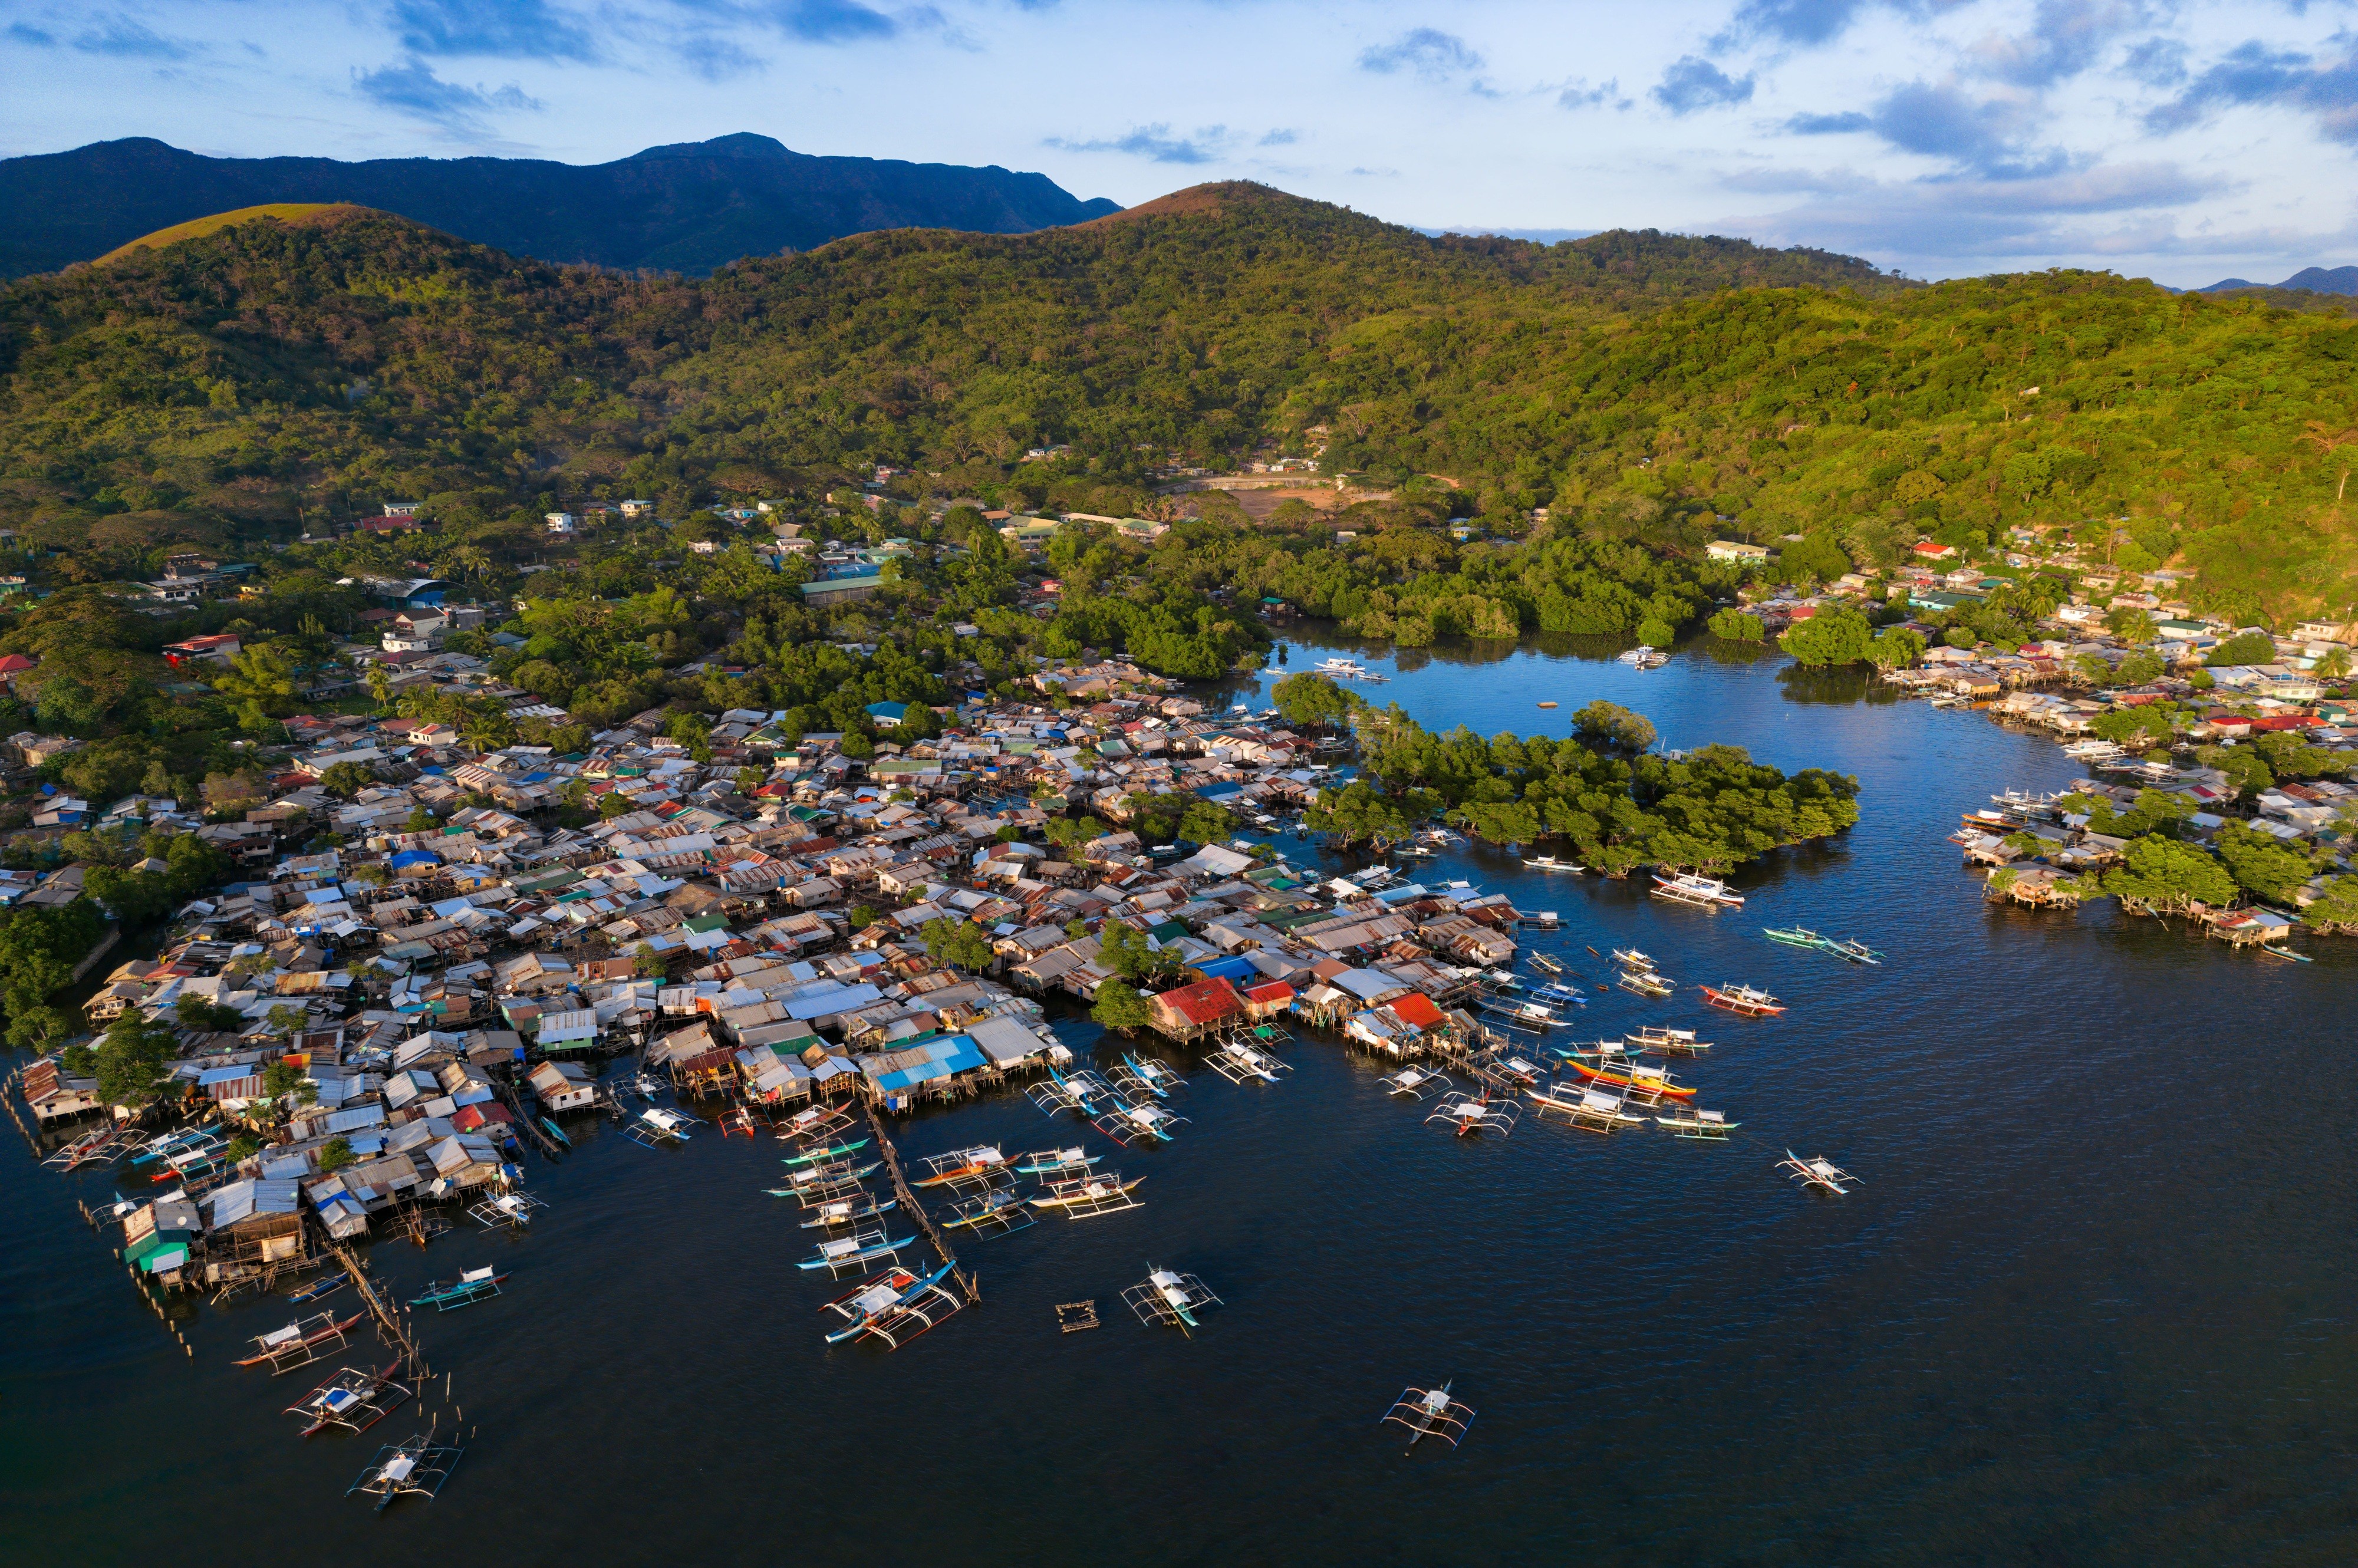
[2315, 279]
[689, 207]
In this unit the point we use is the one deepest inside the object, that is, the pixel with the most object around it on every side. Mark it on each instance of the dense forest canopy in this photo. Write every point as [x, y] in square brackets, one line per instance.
[1648, 389]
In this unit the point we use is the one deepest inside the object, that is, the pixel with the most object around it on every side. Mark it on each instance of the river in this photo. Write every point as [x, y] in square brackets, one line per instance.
[2089, 1303]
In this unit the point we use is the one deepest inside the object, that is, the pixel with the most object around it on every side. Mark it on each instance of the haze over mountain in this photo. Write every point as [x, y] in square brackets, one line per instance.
[689, 207]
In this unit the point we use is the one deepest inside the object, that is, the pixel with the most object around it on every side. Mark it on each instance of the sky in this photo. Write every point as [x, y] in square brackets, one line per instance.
[2170, 139]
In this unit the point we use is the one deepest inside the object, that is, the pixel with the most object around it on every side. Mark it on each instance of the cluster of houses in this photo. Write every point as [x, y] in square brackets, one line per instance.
[443, 982]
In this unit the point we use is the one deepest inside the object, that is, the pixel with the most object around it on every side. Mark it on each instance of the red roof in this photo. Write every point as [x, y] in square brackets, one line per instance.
[1415, 1008]
[14, 664]
[2284, 722]
[1205, 1001]
[1275, 993]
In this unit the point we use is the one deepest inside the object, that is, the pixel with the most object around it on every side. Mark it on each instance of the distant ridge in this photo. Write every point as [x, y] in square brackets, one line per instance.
[2315, 279]
[687, 207]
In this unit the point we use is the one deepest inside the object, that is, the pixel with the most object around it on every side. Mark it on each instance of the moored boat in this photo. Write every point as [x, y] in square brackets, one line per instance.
[1689, 887]
[1749, 1001]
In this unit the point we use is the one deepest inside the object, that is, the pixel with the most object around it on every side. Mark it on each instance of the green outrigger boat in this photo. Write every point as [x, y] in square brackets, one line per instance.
[1857, 952]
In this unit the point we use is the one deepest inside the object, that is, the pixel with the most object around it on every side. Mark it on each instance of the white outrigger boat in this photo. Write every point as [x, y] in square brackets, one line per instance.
[1469, 1115]
[661, 1124]
[1706, 892]
[1128, 1124]
[1645, 658]
[1072, 1162]
[1591, 1108]
[1415, 1082]
[1169, 1298]
[1237, 1062]
[1081, 1197]
[1701, 1125]
[1818, 1172]
[846, 1211]
[1430, 1412]
[1549, 863]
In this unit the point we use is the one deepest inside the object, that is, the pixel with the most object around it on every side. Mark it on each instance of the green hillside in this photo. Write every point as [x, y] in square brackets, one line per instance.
[244, 382]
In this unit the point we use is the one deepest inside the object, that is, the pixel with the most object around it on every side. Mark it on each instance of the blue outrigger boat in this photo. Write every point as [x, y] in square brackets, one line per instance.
[474, 1285]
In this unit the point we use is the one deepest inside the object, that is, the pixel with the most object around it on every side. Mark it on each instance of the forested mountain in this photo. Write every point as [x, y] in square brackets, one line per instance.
[689, 207]
[1643, 387]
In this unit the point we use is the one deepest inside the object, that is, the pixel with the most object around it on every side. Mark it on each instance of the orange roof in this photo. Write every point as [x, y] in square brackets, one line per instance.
[1415, 1008]
[1274, 991]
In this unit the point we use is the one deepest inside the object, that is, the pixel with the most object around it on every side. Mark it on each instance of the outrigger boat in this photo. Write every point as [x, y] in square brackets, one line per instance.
[474, 1285]
[1072, 1162]
[1126, 1123]
[510, 1210]
[1703, 892]
[1857, 952]
[1817, 1171]
[1239, 1062]
[824, 1184]
[415, 1468]
[994, 1212]
[1429, 1412]
[1630, 958]
[1514, 1071]
[854, 1251]
[660, 1124]
[300, 1342]
[1169, 1298]
[1079, 1198]
[326, 1285]
[824, 1154]
[1159, 1076]
[1644, 982]
[1549, 863]
[1795, 936]
[1705, 1126]
[352, 1399]
[895, 1297]
[1546, 965]
[1471, 1115]
[1746, 1001]
[817, 1122]
[1557, 994]
[1644, 1083]
[846, 1211]
[1668, 1042]
[1590, 1108]
[1415, 1082]
[1074, 1092]
[1530, 1014]
[981, 1166]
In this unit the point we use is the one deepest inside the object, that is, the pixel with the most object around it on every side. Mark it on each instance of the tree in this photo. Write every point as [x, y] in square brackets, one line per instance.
[1895, 648]
[1816, 556]
[1356, 813]
[335, 1154]
[2266, 867]
[129, 1062]
[1604, 723]
[196, 1012]
[1120, 1006]
[1306, 699]
[283, 1078]
[2335, 909]
[2166, 877]
[2243, 648]
[1206, 823]
[345, 780]
[958, 943]
[647, 963]
[1831, 636]
[1738, 626]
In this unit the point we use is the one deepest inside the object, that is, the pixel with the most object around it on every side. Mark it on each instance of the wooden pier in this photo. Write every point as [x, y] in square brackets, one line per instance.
[916, 1211]
[387, 1313]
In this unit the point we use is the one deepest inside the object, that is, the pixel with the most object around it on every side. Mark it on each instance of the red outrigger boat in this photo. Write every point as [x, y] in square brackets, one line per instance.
[1750, 1001]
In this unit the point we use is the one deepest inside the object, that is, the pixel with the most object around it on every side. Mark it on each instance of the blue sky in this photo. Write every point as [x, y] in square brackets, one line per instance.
[2164, 138]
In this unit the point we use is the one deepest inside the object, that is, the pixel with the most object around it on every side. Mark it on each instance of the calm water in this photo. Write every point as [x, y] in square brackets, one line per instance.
[2089, 1305]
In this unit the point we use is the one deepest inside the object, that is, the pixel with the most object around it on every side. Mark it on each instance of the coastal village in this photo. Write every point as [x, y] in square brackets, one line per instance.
[430, 959]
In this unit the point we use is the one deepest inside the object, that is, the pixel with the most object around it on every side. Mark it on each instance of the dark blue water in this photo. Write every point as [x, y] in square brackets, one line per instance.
[2089, 1305]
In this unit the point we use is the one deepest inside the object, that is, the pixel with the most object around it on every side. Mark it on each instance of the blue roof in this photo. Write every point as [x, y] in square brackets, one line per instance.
[416, 857]
[892, 710]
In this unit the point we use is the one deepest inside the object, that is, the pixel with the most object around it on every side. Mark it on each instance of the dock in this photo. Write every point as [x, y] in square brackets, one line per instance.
[916, 1211]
